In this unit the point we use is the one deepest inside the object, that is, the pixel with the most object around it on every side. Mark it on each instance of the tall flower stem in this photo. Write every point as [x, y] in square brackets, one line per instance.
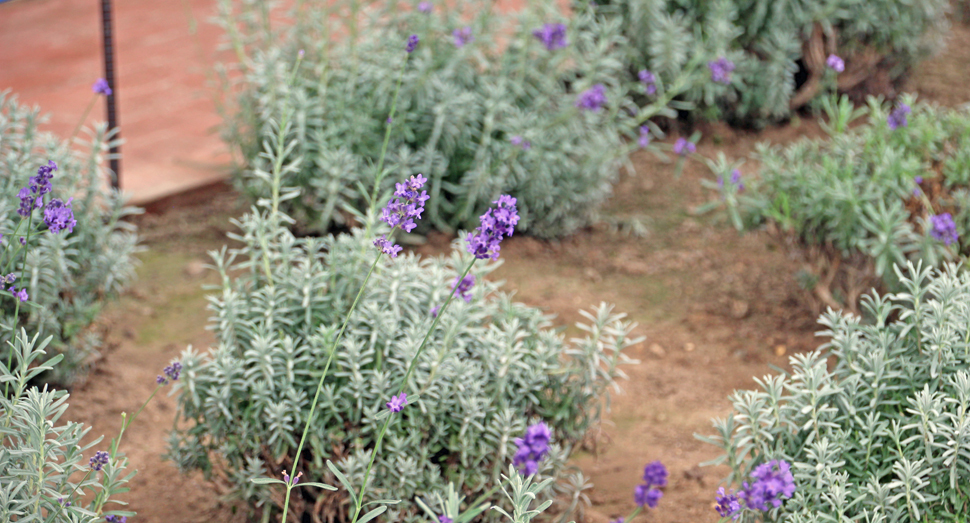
[316, 396]
[400, 389]
[84, 117]
[379, 176]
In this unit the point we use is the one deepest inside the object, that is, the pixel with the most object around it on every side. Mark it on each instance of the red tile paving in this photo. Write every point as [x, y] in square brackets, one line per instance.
[50, 54]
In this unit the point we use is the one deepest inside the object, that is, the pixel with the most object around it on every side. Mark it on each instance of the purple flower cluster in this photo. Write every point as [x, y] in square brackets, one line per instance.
[649, 81]
[464, 287]
[32, 196]
[101, 87]
[683, 147]
[407, 204]
[644, 136]
[398, 402]
[721, 70]
[296, 479]
[944, 229]
[532, 448]
[897, 118]
[59, 216]
[553, 36]
[835, 63]
[497, 223]
[444, 519]
[412, 44]
[649, 493]
[735, 180]
[64, 503]
[170, 373]
[520, 142]
[462, 36]
[99, 460]
[116, 519]
[772, 482]
[592, 99]
[425, 7]
[728, 505]
[20, 295]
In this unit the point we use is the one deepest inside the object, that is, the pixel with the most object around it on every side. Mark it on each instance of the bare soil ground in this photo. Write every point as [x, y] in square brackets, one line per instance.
[716, 307]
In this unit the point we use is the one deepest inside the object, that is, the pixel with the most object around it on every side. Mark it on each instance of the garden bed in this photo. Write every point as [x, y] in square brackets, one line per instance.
[716, 309]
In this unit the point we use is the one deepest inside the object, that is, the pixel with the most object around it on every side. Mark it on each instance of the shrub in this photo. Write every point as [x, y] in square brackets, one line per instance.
[779, 48]
[876, 422]
[69, 276]
[40, 458]
[490, 365]
[498, 114]
[863, 199]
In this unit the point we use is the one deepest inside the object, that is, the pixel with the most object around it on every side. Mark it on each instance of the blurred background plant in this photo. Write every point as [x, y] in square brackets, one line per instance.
[69, 276]
[891, 188]
[779, 48]
[533, 104]
[876, 422]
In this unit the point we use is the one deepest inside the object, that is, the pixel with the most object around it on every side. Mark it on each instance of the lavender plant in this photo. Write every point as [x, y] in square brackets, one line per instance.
[42, 460]
[540, 114]
[68, 275]
[446, 390]
[890, 190]
[874, 425]
[777, 51]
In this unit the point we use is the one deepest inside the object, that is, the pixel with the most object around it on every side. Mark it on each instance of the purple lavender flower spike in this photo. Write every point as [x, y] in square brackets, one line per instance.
[553, 36]
[897, 118]
[721, 70]
[59, 216]
[683, 147]
[644, 136]
[464, 287]
[462, 36]
[649, 81]
[20, 295]
[425, 7]
[772, 482]
[728, 505]
[407, 204]
[170, 372]
[944, 229]
[32, 196]
[115, 519]
[99, 460]
[387, 247]
[644, 495]
[101, 87]
[592, 99]
[655, 474]
[398, 402]
[444, 519]
[532, 448]
[835, 63]
[497, 223]
[412, 43]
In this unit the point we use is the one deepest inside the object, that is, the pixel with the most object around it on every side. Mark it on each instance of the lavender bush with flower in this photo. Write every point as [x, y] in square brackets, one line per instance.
[874, 425]
[768, 58]
[542, 116]
[88, 259]
[893, 189]
[425, 374]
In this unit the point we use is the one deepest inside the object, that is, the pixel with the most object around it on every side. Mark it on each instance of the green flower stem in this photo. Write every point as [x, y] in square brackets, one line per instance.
[69, 497]
[84, 116]
[404, 384]
[326, 368]
[102, 498]
[387, 138]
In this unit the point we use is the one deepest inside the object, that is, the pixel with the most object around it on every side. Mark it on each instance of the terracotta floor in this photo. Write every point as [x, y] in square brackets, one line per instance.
[50, 54]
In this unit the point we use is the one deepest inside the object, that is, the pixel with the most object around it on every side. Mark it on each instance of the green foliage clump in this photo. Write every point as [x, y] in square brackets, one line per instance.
[44, 475]
[491, 367]
[462, 114]
[779, 47]
[69, 275]
[864, 198]
[876, 422]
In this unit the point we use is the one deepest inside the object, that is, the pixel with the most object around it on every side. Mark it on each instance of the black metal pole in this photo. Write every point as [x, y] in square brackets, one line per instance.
[109, 75]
